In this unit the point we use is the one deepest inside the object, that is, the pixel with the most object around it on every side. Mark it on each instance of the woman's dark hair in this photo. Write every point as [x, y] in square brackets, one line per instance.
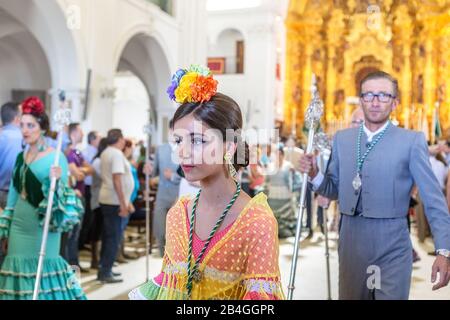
[221, 113]
[102, 145]
[128, 143]
[43, 121]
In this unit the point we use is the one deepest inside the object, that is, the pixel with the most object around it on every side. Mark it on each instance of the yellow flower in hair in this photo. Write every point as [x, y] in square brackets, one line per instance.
[183, 93]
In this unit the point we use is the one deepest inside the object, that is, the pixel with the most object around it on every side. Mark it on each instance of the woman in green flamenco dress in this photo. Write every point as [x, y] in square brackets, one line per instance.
[21, 223]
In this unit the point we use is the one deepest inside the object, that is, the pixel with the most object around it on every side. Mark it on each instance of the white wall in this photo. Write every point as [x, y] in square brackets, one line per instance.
[225, 46]
[76, 35]
[257, 87]
[130, 105]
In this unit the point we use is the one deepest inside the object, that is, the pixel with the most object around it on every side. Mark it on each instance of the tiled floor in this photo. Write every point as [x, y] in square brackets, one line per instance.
[310, 277]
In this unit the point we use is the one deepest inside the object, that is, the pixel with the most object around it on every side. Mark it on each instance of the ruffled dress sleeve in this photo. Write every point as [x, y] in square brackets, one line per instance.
[67, 208]
[7, 215]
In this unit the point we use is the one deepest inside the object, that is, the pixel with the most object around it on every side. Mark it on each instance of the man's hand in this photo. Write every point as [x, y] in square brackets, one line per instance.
[168, 174]
[124, 211]
[442, 266]
[323, 202]
[308, 164]
[148, 168]
[76, 172]
[131, 208]
[78, 193]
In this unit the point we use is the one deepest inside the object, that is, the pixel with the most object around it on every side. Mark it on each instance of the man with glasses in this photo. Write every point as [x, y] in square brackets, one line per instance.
[371, 171]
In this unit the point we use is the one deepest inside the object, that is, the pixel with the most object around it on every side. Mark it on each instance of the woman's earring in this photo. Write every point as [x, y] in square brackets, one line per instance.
[231, 169]
[42, 145]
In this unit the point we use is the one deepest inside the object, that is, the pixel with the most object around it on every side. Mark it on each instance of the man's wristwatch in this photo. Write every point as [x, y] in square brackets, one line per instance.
[443, 252]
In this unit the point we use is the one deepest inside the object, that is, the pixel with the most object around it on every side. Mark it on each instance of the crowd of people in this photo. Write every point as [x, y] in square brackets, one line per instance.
[216, 225]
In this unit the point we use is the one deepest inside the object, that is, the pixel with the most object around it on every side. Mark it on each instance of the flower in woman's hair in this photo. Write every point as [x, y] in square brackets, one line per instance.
[33, 105]
[183, 93]
[204, 88]
[171, 90]
[176, 78]
[178, 75]
[195, 84]
[201, 70]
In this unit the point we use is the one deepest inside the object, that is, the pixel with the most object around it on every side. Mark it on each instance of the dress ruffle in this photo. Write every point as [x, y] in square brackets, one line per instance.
[58, 282]
[148, 291]
[153, 291]
[5, 222]
[67, 208]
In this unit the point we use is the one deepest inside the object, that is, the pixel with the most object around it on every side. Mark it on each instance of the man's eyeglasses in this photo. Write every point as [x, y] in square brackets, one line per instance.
[382, 96]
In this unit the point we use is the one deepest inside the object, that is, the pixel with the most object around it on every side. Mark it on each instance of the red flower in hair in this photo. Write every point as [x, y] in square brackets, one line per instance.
[33, 105]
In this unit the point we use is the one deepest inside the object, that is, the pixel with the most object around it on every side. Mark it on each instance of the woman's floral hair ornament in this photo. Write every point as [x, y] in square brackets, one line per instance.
[33, 106]
[193, 85]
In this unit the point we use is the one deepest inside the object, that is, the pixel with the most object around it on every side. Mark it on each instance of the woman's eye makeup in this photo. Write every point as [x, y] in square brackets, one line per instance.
[194, 140]
[28, 125]
[198, 140]
[176, 140]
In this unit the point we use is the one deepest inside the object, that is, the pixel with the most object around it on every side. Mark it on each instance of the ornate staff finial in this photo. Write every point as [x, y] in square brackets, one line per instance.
[322, 142]
[63, 116]
[315, 107]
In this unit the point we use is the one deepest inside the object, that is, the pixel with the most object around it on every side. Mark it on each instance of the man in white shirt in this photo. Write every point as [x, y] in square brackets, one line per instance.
[115, 193]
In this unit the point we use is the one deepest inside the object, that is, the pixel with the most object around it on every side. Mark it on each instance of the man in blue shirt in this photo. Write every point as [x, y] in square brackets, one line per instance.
[10, 147]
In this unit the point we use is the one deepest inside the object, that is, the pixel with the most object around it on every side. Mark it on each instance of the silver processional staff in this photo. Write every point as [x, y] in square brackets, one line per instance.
[312, 118]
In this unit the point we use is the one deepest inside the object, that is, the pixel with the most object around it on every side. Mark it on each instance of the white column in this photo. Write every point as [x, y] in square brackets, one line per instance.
[192, 18]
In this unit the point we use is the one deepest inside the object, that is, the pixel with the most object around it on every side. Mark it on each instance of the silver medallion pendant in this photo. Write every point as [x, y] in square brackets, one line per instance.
[198, 276]
[357, 183]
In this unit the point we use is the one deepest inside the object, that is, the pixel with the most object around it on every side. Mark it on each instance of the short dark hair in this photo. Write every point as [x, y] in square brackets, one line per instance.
[73, 127]
[9, 111]
[92, 136]
[380, 75]
[114, 135]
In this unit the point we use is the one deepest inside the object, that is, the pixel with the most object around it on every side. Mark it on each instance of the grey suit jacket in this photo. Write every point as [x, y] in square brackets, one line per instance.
[395, 164]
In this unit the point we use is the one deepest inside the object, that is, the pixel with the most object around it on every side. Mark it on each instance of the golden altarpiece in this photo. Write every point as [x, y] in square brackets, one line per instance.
[340, 41]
